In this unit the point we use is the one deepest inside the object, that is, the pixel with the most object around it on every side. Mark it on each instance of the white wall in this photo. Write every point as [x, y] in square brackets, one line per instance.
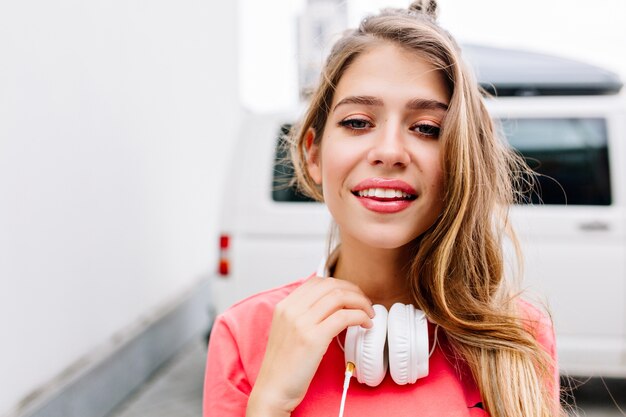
[116, 119]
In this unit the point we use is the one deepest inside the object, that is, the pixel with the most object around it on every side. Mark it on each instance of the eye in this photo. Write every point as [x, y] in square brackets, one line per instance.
[355, 124]
[426, 129]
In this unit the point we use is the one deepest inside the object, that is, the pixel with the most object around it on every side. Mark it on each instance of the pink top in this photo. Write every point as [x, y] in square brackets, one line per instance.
[237, 347]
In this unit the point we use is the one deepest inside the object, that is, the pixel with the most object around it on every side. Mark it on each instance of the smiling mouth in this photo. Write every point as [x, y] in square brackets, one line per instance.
[385, 194]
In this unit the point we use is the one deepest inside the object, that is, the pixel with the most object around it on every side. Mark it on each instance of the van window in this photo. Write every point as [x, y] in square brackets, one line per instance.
[282, 188]
[569, 154]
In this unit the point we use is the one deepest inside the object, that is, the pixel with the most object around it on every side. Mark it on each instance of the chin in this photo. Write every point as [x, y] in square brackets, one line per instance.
[388, 239]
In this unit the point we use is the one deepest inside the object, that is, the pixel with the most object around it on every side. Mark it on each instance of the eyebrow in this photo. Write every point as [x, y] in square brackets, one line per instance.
[415, 104]
[426, 104]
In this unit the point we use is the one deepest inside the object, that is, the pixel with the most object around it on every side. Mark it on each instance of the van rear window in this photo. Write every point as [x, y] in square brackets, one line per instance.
[569, 154]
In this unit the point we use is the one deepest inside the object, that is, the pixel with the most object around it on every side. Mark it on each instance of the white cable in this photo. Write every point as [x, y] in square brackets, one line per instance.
[350, 371]
[339, 343]
[346, 384]
[434, 342]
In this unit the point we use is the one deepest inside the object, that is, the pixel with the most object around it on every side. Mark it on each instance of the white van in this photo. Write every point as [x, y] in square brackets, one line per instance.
[565, 117]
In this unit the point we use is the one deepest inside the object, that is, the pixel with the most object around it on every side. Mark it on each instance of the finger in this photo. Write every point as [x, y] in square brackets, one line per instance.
[313, 289]
[337, 299]
[341, 320]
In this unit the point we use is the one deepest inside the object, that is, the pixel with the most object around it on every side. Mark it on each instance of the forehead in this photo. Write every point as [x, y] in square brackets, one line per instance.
[392, 73]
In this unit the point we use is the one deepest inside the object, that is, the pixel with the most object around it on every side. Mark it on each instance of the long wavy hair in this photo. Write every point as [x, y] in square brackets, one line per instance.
[457, 275]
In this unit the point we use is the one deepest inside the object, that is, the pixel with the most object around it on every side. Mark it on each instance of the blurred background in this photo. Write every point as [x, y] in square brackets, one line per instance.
[592, 32]
[118, 122]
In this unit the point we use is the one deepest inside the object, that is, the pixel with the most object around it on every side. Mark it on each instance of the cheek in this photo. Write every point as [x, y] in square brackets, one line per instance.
[435, 185]
[438, 180]
[336, 162]
[432, 168]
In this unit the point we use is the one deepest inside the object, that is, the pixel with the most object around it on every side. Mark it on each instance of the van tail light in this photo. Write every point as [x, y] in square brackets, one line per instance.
[223, 267]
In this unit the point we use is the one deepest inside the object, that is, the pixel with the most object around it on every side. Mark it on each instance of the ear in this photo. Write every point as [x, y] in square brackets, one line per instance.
[313, 157]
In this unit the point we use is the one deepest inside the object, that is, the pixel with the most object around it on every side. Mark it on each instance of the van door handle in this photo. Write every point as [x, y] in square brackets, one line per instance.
[594, 226]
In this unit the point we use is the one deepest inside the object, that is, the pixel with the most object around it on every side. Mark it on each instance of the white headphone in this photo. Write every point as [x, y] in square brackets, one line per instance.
[405, 329]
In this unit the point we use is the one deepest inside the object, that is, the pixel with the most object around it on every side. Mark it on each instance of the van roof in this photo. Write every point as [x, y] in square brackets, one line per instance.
[510, 72]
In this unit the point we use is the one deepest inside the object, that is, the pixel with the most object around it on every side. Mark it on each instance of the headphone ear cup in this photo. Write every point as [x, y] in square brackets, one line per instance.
[407, 330]
[366, 349]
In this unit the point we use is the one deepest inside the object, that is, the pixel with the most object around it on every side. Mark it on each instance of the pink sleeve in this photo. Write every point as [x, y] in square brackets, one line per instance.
[226, 386]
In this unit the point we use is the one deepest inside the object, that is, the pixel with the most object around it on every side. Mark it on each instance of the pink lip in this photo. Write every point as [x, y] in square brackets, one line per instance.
[384, 205]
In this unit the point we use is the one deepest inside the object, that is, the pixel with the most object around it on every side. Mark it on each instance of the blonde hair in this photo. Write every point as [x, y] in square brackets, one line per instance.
[457, 275]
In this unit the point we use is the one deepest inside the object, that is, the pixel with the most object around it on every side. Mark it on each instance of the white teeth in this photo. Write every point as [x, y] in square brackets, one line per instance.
[383, 193]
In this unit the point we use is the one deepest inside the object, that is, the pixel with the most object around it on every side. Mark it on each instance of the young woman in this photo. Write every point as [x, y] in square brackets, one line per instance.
[398, 144]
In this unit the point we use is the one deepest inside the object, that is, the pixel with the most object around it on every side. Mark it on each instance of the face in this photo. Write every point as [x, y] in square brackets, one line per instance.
[379, 158]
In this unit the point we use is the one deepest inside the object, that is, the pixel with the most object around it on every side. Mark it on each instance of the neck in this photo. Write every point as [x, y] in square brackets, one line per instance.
[380, 273]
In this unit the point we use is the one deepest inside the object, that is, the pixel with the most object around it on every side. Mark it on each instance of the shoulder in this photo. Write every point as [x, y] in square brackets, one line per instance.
[239, 336]
[539, 324]
[256, 311]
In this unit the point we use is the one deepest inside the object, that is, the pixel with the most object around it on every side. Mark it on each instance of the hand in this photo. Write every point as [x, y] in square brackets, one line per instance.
[303, 326]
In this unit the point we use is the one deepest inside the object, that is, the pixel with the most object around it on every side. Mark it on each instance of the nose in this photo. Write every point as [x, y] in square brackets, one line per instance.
[388, 149]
